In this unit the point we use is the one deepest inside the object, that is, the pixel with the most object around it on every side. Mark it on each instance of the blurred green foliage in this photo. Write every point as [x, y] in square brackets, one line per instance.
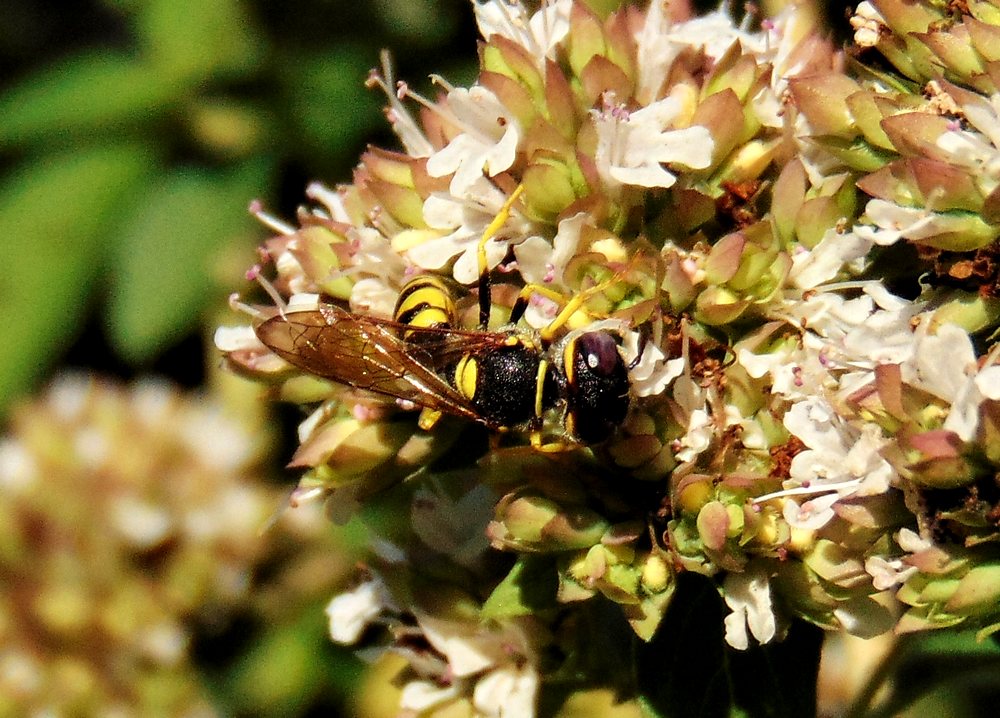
[133, 134]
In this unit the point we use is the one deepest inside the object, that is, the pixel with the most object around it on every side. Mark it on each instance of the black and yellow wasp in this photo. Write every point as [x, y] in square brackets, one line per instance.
[504, 379]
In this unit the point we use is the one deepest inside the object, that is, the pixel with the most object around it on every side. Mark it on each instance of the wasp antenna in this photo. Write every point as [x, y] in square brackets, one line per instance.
[253, 274]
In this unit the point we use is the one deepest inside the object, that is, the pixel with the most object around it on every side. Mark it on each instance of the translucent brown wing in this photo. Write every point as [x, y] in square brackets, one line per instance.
[367, 353]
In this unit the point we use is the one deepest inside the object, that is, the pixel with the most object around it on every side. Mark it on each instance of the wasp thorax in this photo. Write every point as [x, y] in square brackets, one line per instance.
[504, 384]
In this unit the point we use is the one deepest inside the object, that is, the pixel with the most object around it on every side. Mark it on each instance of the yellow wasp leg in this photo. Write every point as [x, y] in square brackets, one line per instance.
[576, 302]
[428, 418]
[569, 309]
[484, 272]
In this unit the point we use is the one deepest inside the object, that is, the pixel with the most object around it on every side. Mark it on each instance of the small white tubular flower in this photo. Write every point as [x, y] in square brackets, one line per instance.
[868, 24]
[892, 222]
[538, 33]
[542, 262]
[488, 141]
[978, 153]
[652, 372]
[461, 223]
[715, 32]
[811, 514]
[988, 382]
[838, 452]
[748, 596]
[507, 692]
[632, 147]
[953, 380]
[984, 115]
[656, 51]
[887, 573]
[841, 460]
[350, 613]
[235, 339]
[418, 696]
[811, 268]
[698, 437]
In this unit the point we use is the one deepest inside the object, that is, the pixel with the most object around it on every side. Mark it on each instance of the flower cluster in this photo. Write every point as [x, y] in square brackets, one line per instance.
[797, 250]
[132, 519]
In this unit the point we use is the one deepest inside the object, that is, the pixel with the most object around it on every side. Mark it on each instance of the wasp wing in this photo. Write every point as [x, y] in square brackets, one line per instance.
[363, 352]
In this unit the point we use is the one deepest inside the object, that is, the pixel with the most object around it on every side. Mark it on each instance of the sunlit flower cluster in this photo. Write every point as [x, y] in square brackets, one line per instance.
[797, 254]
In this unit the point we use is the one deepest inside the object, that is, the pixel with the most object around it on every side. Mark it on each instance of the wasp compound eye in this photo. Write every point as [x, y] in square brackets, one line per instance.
[597, 386]
[600, 353]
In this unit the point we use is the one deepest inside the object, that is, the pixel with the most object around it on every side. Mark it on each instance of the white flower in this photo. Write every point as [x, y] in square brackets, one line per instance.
[351, 612]
[887, 573]
[748, 596]
[540, 261]
[632, 147]
[893, 222]
[240, 338]
[538, 34]
[488, 141]
[461, 223]
[419, 695]
[507, 692]
[868, 24]
[653, 371]
[498, 659]
[953, 380]
[811, 268]
[698, 437]
[841, 459]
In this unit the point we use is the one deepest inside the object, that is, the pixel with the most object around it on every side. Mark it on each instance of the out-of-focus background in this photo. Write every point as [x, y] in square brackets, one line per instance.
[146, 567]
[133, 135]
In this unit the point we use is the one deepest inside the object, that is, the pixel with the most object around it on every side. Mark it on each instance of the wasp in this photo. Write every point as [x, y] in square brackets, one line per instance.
[503, 379]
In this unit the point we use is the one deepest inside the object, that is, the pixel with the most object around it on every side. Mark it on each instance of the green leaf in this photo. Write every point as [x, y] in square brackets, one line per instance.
[188, 40]
[425, 22]
[162, 276]
[54, 217]
[288, 668]
[80, 95]
[321, 89]
[529, 587]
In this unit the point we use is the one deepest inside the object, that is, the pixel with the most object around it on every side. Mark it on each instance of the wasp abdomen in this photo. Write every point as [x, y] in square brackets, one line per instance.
[425, 301]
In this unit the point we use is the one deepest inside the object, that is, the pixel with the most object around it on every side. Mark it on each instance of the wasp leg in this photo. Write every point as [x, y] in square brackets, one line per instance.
[571, 307]
[428, 418]
[484, 271]
[524, 298]
[538, 443]
[640, 348]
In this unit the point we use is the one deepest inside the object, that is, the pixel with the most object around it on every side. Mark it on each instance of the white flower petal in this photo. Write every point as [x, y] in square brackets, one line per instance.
[507, 692]
[748, 596]
[351, 612]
